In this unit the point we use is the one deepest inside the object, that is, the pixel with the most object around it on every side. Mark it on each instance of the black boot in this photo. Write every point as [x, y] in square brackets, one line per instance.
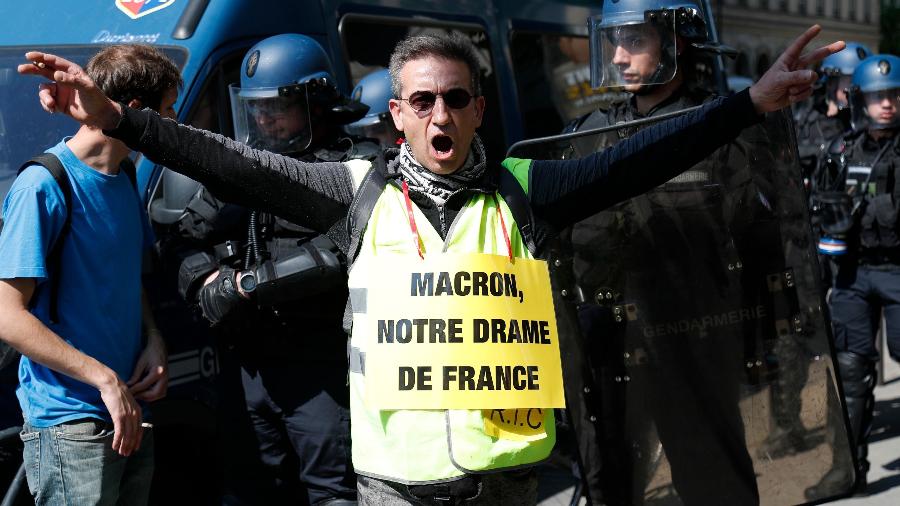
[858, 380]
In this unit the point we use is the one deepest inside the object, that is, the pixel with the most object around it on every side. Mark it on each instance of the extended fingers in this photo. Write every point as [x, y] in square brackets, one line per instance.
[51, 61]
[793, 51]
[820, 54]
[46, 65]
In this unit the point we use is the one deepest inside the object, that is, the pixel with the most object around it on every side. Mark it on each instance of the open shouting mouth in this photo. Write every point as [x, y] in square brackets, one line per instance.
[442, 146]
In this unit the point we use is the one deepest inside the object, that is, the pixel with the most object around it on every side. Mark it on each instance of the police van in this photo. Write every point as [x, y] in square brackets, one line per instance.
[535, 73]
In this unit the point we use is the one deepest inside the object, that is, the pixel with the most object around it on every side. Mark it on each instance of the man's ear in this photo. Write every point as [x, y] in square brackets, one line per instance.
[394, 106]
[479, 110]
[135, 104]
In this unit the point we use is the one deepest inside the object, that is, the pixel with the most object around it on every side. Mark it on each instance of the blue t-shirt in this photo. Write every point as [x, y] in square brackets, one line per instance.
[99, 300]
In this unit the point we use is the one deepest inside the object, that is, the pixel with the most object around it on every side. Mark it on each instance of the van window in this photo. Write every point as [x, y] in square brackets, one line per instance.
[553, 81]
[369, 40]
[25, 129]
[212, 109]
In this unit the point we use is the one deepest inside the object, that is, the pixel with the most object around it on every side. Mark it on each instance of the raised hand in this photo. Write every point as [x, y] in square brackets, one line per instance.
[73, 93]
[788, 80]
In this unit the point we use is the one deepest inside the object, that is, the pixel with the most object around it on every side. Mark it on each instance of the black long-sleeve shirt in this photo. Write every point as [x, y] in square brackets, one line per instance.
[318, 195]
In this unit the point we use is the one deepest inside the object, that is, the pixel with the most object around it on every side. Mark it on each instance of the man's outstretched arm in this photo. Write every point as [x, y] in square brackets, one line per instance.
[311, 194]
[567, 191]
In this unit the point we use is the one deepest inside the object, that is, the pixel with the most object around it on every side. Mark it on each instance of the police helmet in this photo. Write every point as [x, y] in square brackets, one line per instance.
[837, 70]
[374, 90]
[875, 93]
[645, 26]
[287, 91]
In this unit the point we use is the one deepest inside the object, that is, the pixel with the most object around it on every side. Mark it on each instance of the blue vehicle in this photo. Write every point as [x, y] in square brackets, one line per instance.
[535, 71]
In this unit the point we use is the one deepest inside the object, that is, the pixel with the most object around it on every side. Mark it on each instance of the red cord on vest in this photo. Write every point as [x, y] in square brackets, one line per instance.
[412, 220]
[503, 227]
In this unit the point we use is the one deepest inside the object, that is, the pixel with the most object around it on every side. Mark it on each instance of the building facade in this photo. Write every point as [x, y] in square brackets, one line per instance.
[762, 29]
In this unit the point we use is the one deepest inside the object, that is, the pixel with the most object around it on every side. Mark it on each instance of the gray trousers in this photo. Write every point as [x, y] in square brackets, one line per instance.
[510, 488]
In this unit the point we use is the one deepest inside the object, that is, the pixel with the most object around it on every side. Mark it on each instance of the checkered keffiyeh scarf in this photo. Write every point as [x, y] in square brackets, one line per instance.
[436, 186]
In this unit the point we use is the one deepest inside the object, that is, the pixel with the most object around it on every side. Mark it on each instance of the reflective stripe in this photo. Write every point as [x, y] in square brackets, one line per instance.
[357, 360]
[358, 298]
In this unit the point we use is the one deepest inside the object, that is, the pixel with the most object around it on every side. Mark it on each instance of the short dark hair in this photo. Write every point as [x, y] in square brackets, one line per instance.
[451, 47]
[134, 71]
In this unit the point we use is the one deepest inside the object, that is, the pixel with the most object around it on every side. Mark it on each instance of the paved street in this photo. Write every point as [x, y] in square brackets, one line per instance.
[884, 447]
[557, 486]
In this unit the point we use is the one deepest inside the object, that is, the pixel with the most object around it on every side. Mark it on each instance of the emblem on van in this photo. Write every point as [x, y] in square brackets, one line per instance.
[139, 8]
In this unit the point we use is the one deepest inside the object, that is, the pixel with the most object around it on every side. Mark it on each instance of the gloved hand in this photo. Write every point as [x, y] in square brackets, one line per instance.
[220, 297]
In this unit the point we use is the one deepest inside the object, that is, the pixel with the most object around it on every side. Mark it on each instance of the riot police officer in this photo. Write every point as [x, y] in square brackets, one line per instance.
[374, 90]
[686, 386]
[858, 192]
[828, 112]
[277, 290]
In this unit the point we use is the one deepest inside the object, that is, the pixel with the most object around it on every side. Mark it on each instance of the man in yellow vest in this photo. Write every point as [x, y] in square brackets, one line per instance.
[454, 365]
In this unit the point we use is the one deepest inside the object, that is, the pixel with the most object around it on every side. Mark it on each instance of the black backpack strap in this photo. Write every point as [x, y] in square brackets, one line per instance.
[127, 166]
[514, 195]
[54, 257]
[370, 189]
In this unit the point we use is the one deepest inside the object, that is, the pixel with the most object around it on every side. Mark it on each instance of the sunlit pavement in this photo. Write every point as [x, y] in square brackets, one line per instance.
[557, 486]
[884, 445]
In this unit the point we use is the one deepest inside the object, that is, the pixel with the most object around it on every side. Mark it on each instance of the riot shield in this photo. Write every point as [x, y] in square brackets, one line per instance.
[697, 350]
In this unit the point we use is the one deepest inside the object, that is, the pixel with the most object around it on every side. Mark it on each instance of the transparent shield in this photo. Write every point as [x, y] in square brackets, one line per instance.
[380, 129]
[273, 119]
[703, 369]
[633, 54]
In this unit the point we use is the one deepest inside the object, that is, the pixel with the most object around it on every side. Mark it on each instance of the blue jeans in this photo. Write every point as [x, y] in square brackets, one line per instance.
[73, 464]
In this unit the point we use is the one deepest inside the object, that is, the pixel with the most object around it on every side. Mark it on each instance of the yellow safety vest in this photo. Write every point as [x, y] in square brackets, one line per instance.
[419, 446]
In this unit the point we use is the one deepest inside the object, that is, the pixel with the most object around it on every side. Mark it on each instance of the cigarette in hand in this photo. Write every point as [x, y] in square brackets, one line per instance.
[39, 64]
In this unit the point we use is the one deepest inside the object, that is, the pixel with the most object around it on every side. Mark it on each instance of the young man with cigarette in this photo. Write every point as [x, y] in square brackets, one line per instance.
[71, 301]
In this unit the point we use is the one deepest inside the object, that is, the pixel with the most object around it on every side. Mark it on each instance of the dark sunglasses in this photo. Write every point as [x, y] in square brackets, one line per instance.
[423, 101]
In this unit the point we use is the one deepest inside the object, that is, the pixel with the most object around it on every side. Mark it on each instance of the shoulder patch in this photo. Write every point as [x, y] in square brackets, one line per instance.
[520, 168]
[357, 169]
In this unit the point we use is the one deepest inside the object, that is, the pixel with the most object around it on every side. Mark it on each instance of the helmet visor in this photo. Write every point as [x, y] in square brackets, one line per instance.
[637, 53]
[836, 89]
[273, 119]
[380, 128]
[876, 109]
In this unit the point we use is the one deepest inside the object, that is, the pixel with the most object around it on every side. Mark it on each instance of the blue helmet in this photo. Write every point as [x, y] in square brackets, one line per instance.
[876, 83]
[626, 24]
[283, 60]
[374, 90]
[836, 72]
[287, 95]
[844, 62]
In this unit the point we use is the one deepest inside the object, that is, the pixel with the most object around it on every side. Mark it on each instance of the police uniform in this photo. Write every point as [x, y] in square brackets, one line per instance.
[689, 390]
[866, 282]
[289, 431]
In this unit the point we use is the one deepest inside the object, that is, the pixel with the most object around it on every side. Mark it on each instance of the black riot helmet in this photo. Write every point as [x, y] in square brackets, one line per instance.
[648, 29]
